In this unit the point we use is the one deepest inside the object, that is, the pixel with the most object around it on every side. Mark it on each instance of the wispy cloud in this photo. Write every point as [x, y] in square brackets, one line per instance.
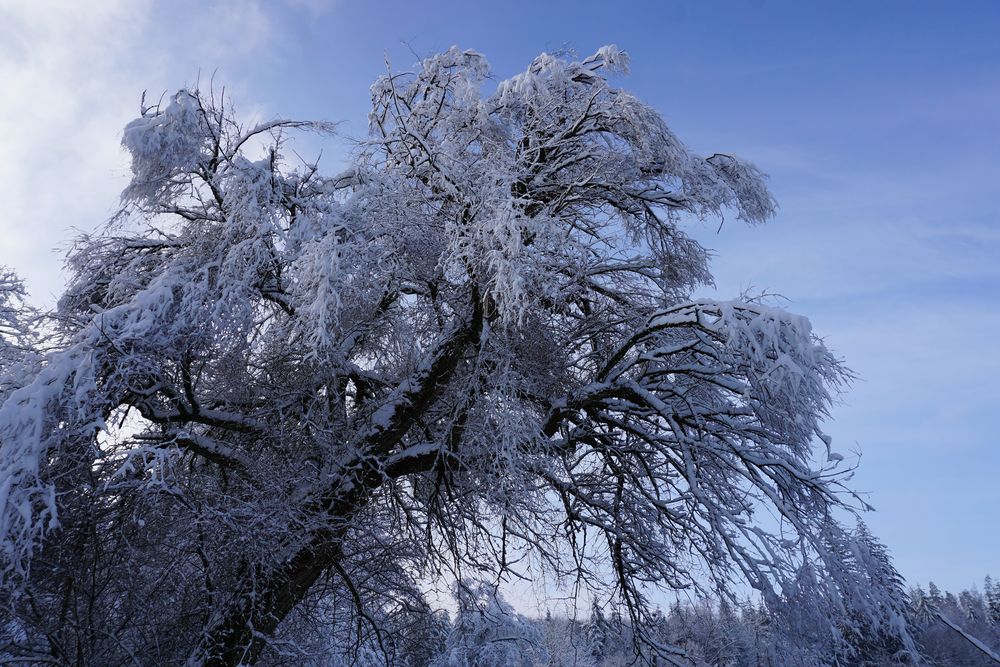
[72, 75]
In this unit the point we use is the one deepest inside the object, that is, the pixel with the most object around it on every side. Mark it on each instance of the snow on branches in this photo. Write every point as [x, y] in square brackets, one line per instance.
[277, 395]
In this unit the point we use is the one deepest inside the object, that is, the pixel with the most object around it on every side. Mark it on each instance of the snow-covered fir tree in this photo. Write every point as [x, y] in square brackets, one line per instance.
[991, 589]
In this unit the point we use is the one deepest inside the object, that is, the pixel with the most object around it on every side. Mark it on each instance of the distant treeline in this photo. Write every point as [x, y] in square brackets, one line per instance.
[487, 633]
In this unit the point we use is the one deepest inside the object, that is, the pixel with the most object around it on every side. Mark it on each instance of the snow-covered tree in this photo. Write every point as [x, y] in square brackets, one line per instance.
[281, 402]
[565, 641]
[19, 339]
[489, 633]
[597, 633]
[934, 596]
[991, 591]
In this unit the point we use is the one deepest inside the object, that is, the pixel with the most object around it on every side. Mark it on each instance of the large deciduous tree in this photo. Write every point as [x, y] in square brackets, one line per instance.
[281, 402]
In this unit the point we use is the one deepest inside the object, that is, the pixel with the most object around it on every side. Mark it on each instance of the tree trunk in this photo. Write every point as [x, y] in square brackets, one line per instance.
[240, 637]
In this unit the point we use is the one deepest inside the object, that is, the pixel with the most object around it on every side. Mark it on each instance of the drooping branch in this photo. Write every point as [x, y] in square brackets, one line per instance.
[983, 648]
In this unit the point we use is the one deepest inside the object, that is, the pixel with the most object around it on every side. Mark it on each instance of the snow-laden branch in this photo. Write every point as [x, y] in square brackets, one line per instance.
[983, 648]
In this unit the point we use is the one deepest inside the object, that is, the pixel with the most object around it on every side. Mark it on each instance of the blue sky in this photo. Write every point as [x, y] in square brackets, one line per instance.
[879, 124]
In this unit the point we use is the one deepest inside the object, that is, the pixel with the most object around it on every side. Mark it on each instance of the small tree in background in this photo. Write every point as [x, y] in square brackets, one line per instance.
[991, 590]
[489, 633]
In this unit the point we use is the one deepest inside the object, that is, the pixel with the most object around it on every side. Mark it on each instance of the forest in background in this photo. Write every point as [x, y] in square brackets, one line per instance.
[486, 631]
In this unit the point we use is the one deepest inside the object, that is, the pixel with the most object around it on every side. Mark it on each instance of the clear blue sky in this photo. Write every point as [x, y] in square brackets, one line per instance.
[879, 123]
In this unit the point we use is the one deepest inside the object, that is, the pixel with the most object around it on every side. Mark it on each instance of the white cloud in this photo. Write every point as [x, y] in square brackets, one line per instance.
[72, 75]
[60, 109]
